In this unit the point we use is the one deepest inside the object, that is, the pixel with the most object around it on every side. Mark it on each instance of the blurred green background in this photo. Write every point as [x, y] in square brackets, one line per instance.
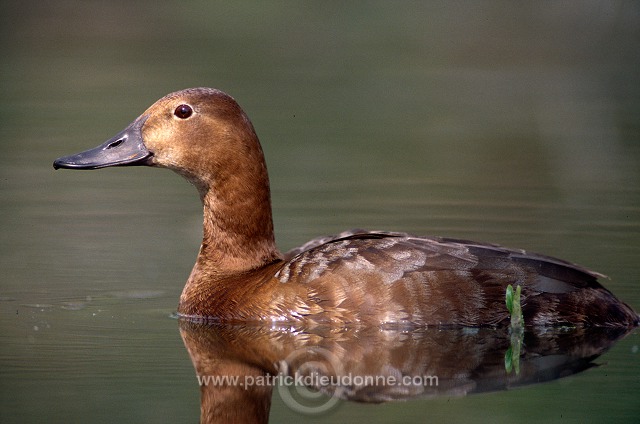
[509, 122]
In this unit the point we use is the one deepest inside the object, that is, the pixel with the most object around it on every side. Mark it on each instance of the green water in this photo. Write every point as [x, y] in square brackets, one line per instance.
[513, 124]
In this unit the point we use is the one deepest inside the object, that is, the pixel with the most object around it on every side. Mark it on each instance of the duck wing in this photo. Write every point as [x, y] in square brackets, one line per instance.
[399, 278]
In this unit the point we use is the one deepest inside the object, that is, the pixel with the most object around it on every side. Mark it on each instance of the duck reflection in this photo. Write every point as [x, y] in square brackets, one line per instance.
[238, 366]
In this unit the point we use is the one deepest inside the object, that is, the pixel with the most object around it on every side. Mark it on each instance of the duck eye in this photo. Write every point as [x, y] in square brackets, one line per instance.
[183, 111]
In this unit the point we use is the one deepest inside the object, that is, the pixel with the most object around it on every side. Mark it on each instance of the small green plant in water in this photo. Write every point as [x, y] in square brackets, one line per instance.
[512, 355]
[512, 299]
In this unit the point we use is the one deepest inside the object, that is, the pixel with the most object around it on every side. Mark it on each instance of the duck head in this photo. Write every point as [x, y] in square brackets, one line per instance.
[203, 135]
[199, 133]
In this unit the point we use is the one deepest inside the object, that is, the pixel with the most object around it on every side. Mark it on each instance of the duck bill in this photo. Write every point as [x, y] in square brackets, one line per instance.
[125, 149]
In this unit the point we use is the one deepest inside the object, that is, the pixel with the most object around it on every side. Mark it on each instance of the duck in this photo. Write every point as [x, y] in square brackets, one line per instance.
[355, 278]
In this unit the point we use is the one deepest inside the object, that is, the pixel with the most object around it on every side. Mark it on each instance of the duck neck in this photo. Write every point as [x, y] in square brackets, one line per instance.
[238, 227]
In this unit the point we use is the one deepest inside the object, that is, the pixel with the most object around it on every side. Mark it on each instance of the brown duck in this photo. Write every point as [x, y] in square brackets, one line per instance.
[354, 278]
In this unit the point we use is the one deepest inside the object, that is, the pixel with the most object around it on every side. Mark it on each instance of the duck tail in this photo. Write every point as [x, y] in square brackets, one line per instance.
[587, 306]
